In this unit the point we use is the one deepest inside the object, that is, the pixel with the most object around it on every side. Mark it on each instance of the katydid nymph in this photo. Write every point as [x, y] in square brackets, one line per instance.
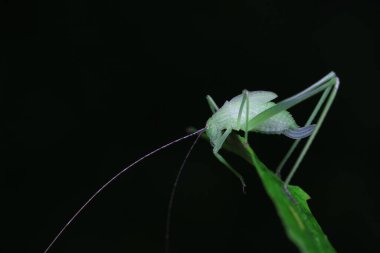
[251, 111]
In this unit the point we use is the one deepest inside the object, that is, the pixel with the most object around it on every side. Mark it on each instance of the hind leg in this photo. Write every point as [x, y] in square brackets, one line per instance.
[309, 121]
[329, 84]
[332, 93]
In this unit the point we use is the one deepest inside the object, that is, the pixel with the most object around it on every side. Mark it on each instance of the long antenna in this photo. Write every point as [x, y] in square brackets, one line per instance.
[113, 179]
[172, 194]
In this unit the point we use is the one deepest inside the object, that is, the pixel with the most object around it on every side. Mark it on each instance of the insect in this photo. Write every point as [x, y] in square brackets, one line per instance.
[251, 111]
[255, 111]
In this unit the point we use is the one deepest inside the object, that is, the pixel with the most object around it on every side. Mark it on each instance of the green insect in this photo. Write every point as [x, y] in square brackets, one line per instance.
[250, 112]
[254, 111]
[236, 114]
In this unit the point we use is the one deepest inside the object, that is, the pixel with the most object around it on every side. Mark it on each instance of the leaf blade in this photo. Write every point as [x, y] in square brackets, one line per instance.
[300, 225]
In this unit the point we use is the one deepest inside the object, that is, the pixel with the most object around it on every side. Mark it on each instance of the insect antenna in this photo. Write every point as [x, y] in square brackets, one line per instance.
[199, 132]
[174, 188]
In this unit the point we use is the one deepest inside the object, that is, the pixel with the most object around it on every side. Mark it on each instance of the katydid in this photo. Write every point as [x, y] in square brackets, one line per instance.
[250, 112]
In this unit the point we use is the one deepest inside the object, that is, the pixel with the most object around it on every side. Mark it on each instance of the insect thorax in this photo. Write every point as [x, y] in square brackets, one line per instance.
[213, 131]
[227, 117]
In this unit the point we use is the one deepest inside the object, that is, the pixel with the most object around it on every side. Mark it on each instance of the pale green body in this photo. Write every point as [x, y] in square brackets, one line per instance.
[263, 116]
[227, 116]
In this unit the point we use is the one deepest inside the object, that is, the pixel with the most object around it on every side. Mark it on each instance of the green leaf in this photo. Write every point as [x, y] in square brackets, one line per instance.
[300, 225]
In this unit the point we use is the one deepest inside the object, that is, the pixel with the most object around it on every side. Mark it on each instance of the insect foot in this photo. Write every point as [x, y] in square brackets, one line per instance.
[244, 186]
[289, 195]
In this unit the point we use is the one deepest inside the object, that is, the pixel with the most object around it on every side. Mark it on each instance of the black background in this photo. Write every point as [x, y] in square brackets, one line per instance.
[87, 88]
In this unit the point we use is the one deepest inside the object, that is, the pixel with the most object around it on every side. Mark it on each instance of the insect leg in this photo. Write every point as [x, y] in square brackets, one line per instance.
[331, 83]
[312, 136]
[241, 108]
[237, 174]
[245, 100]
[219, 142]
[217, 147]
[327, 81]
[246, 116]
[309, 121]
[212, 104]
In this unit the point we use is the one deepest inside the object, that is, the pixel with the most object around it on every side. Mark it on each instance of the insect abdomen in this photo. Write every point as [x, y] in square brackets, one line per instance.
[227, 116]
[277, 124]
